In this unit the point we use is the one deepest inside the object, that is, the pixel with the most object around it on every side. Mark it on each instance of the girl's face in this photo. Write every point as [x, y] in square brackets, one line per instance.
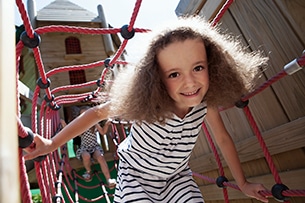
[184, 71]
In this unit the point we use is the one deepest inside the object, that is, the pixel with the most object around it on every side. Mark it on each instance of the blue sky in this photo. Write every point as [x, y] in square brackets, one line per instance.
[118, 12]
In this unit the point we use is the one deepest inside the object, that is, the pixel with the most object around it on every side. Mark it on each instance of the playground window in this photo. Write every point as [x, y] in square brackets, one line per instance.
[77, 77]
[73, 45]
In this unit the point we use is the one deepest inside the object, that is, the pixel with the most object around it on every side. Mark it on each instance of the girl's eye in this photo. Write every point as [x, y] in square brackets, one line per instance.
[173, 75]
[198, 68]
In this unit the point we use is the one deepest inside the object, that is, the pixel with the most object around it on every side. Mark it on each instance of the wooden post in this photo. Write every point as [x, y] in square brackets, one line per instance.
[9, 167]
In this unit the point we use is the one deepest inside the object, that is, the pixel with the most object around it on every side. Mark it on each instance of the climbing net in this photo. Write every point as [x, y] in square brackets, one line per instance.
[73, 180]
[49, 174]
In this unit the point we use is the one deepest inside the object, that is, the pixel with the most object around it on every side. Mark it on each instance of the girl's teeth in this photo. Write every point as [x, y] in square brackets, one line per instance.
[190, 93]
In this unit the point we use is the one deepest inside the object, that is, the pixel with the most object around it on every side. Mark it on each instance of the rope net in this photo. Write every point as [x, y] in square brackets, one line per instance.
[55, 175]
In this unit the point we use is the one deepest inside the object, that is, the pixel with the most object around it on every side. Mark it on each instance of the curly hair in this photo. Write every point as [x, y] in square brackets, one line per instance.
[138, 93]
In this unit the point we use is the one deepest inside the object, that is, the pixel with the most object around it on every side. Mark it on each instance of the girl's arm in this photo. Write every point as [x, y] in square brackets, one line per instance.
[227, 147]
[74, 128]
[63, 123]
[103, 130]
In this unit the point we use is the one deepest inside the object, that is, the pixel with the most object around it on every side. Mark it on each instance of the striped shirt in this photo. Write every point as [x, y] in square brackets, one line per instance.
[154, 161]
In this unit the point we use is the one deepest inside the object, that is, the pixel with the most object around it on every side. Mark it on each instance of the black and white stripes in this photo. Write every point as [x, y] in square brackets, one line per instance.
[154, 161]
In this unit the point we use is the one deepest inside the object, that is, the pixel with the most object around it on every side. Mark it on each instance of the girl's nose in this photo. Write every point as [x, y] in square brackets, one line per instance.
[189, 80]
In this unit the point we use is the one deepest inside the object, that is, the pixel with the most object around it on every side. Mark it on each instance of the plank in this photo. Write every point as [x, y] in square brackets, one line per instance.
[293, 11]
[265, 106]
[262, 21]
[280, 139]
[9, 166]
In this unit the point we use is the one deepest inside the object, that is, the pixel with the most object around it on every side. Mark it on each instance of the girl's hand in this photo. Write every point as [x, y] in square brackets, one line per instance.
[41, 147]
[253, 190]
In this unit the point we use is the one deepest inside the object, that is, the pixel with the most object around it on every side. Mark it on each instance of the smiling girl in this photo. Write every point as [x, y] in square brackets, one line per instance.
[187, 73]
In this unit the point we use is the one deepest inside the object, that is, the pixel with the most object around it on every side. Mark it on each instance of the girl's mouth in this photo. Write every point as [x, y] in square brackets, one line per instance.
[190, 93]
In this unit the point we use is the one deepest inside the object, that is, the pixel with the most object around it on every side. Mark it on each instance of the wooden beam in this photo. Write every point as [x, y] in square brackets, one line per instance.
[26, 93]
[284, 138]
[9, 166]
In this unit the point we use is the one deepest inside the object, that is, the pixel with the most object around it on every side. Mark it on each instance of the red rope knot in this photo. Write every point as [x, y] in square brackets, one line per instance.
[89, 97]
[277, 192]
[126, 34]
[26, 141]
[30, 42]
[99, 83]
[220, 181]
[43, 84]
[242, 103]
[57, 198]
[54, 106]
[107, 63]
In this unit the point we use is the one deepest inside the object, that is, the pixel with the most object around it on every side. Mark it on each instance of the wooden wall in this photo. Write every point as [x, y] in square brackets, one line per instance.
[54, 54]
[277, 28]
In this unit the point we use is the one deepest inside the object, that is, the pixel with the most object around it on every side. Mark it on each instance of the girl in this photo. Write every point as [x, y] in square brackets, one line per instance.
[187, 73]
[90, 147]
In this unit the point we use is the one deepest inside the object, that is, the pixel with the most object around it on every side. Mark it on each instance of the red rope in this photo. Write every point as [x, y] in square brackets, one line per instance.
[24, 186]
[119, 52]
[25, 19]
[220, 167]
[70, 87]
[116, 135]
[75, 186]
[123, 130]
[42, 186]
[65, 161]
[263, 145]
[265, 85]
[280, 75]
[217, 157]
[222, 11]
[266, 193]
[134, 15]
[83, 30]
[103, 188]
[68, 194]
[209, 137]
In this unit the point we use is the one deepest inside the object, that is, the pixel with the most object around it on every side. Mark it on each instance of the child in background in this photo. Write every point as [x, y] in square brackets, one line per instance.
[188, 72]
[90, 148]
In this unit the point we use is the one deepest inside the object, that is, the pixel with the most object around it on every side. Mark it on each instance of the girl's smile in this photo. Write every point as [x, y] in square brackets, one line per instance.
[191, 93]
